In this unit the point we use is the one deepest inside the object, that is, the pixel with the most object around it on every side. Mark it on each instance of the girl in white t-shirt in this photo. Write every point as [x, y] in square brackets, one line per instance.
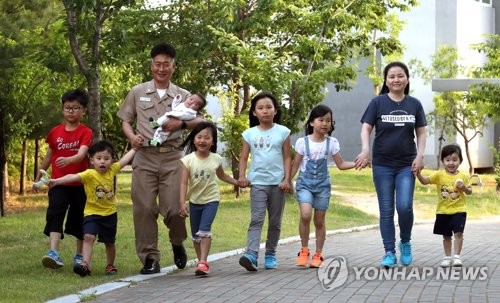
[199, 186]
[313, 186]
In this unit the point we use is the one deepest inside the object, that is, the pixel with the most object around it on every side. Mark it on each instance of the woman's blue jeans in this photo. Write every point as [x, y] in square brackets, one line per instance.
[394, 186]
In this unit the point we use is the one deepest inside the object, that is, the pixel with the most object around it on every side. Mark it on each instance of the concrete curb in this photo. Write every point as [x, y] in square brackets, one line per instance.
[126, 282]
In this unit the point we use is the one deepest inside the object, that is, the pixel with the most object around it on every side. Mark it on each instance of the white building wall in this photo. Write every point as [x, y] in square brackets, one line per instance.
[473, 20]
[419, 37]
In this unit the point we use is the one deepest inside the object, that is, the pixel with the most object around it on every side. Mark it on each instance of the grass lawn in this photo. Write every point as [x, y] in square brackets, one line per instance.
[22, 243]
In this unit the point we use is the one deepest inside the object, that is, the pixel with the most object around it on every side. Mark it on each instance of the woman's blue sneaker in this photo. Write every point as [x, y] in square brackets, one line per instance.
[270, 262]
[389, 260]
[249, 261]
[406, 255]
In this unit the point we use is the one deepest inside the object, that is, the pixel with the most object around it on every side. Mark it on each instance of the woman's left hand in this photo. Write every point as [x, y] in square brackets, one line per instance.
[417, 165]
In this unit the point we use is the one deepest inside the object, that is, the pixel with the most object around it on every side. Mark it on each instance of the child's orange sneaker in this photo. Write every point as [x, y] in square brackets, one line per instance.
[316, 261]
[302, 257]
[202, 268]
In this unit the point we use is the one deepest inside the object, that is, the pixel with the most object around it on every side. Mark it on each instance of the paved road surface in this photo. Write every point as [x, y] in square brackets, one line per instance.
[424, 281]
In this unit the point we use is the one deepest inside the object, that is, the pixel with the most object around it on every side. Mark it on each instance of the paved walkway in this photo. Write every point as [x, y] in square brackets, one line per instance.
[351, 256]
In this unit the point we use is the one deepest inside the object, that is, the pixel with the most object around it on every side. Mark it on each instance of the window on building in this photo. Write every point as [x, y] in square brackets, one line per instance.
[486, 2]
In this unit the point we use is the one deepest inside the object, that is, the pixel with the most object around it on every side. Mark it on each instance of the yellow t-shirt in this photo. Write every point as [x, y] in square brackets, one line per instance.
[100, 191]
[450, 199]
[202, 184]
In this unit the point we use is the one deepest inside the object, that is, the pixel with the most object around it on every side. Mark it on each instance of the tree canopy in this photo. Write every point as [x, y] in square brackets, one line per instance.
[233, 49]
[228, 48]
[452, 115]
[488, 94]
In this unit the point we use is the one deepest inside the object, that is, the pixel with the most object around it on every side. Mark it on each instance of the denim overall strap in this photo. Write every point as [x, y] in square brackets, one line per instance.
[316, 169]
[308, 152]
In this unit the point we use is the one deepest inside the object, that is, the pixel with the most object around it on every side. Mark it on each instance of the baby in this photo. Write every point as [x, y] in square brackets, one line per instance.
[184, 111]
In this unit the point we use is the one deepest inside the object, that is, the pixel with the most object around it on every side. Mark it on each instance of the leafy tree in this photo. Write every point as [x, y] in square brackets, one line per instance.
[291, 48]
[85, 22]
[452, 113]
[38, 80]
[374, 70]
[488, 93]
[18, 20]
[109, 44]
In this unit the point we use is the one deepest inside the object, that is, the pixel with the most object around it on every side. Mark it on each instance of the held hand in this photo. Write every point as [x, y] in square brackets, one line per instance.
[417, 166]
[41, 179]
[183, 211]
[362, 160]
[137, 142]
[243, 182]
[459, 184]
[286, 186]
[51, 183]
[35, 189]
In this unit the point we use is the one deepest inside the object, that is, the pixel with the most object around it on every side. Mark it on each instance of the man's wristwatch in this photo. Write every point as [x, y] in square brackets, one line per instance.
[184, 125]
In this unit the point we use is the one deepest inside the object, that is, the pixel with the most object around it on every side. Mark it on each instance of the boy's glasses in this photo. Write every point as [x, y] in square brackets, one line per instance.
[71, 109]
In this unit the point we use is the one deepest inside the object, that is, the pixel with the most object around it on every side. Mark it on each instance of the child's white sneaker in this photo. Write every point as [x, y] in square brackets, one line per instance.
[457, 262]
[446, 262]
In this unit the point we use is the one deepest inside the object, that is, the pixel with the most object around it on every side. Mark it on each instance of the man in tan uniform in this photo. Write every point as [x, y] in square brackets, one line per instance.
[156, 170]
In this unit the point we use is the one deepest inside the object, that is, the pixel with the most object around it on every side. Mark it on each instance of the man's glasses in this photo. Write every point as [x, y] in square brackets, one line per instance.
[71, 109]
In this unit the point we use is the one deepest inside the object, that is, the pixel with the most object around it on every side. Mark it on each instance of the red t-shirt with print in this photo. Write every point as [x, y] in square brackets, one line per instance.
[65, 143]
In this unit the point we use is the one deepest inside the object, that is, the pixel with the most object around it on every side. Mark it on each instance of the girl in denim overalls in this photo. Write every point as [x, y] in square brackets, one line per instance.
[313, 184]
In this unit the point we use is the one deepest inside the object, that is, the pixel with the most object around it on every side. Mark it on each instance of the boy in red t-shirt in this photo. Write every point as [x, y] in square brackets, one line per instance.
[66, 154]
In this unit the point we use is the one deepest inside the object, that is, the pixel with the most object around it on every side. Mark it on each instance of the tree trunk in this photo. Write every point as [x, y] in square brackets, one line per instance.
[36, 161]
[467, 153]
[89, 69]
[6, 181]
[94, 107]
[373, 58]
[22, 175]
[441, 139]
[2, 165]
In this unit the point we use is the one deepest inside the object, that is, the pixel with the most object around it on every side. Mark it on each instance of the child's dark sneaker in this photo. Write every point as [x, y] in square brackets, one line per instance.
[77, 259]
[83, 269]
[111, 270]
[249, 261]
[52, 260]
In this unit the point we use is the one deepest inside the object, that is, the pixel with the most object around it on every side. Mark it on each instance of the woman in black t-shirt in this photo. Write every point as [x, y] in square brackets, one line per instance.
[396, 158]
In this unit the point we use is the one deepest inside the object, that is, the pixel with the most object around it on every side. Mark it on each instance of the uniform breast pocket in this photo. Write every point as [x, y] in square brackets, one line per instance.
[148, 109]
[146, 105]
